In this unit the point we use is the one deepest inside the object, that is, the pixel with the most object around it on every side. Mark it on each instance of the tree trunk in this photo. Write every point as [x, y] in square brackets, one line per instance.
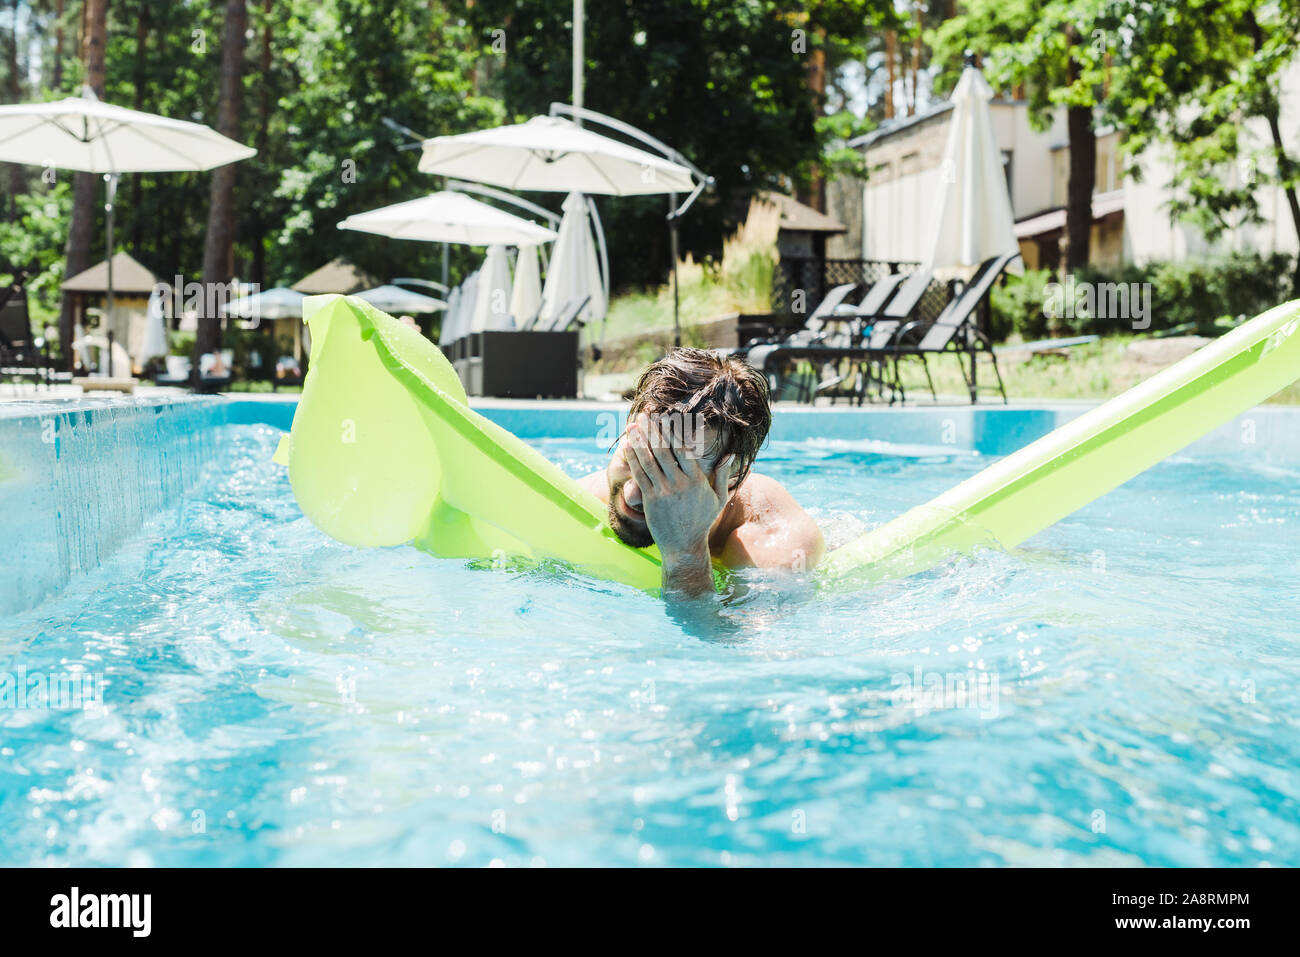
[138, 80]
[1286, 166]
[218, 247]
[58, 46]
[815, 196]
[263, 134]
[1083, 173]
[891, 42]
[81, 228]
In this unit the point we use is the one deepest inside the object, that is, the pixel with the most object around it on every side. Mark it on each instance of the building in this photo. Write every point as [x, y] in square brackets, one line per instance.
[132, 286]
[887, 215]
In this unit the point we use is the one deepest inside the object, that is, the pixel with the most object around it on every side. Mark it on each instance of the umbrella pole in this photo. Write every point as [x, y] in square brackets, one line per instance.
[446, 259]
[672, 246]
[110, 188]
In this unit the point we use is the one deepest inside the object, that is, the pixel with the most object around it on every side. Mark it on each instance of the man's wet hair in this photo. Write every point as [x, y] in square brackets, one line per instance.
[731, 395]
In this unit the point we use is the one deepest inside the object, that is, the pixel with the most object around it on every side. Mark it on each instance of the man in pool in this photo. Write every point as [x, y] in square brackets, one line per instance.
[680, 476]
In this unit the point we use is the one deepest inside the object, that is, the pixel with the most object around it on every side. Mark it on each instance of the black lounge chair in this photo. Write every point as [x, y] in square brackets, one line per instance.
[832, 347]
[22, 354]
[956, 331]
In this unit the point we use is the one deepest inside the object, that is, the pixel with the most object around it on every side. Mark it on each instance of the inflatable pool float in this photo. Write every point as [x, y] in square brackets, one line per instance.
[385, 450]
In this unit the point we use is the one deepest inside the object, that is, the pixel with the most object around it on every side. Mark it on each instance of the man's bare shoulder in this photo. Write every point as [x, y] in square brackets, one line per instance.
[772, 529]
[762, 497]
[596, 483]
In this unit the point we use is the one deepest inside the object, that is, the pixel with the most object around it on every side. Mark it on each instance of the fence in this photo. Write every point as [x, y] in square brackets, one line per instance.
[799, 283]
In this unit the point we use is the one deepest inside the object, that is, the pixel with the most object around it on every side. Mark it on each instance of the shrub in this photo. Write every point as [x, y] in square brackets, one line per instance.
[1194, 294]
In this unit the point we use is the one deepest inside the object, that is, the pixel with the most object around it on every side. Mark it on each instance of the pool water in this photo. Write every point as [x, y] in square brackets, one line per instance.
[1124, 690]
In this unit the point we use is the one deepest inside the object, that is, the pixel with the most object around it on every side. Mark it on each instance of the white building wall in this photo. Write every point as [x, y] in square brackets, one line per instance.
[898, 214]
[1152, 234]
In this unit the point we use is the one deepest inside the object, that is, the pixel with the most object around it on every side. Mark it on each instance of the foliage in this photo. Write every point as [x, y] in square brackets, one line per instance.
[725, 83]
[1200, 70]
[741, 281]
[37, 231]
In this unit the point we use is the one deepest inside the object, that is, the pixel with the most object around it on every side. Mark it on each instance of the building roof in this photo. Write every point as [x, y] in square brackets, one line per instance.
[128, 277]
[337, 275]
[898, 125]
[798, 217]
[901, 123]
[1103, 205]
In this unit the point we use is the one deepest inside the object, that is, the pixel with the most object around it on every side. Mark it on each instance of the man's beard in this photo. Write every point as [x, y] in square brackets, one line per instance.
[638, 536]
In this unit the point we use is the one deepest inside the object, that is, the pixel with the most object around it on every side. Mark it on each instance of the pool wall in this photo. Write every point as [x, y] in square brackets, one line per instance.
[79, 477]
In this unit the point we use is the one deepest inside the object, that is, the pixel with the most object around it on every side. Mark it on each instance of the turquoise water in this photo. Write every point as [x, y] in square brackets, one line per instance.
[1123, 691]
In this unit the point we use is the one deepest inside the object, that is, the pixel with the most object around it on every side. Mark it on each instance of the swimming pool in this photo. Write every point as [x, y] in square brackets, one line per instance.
[1121, 691]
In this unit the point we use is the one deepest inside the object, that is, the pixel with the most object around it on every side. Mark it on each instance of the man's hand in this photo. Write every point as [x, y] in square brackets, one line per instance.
[681, 502]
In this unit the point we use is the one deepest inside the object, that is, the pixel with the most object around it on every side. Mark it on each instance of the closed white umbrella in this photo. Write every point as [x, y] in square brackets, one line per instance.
[278, 303]
[574, 272]
[396, 299]
[446, 334]
[492, 307]
[526, 294]
[974, 220]
[468, 301]
[554, 154]
[155, 329]
[449, 217]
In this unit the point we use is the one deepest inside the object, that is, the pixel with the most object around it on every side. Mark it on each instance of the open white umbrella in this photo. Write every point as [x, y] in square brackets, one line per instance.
[974, 220]
[90, 136]
[492, 307]
[554, 154]
[278, 303]
[83, 133]
[574, 273]
[526, 293]
[395, 299]
[449, 217]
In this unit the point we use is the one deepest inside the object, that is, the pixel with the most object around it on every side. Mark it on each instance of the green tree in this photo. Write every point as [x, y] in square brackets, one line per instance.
[1204, 77]
[730, 85]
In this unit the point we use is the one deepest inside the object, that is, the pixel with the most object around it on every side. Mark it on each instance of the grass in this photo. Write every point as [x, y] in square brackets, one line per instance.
[1099, 370]
[740, 282]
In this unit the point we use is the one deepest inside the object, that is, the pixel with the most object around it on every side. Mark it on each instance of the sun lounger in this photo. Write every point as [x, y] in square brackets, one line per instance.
[955, 331]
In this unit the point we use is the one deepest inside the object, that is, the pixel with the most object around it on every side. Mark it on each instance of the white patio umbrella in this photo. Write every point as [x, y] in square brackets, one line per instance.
[492, 306]
[90, 136]
[526, 295]
[553, 154]
[449, 217]
[278, 303]
[974, 221]
[574, 272]
[395, 299]
[86, 134]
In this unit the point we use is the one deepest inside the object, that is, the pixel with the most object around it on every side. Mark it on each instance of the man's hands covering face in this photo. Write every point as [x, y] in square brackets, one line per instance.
[681, 500]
